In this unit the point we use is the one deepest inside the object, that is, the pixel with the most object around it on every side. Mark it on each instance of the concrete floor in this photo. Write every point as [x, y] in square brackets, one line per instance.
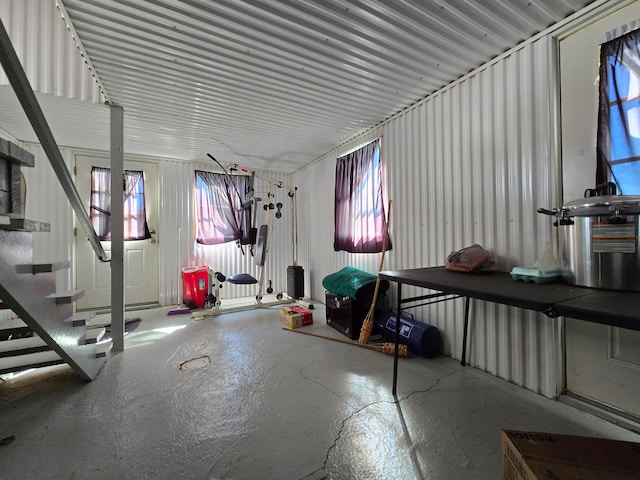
[270, 404]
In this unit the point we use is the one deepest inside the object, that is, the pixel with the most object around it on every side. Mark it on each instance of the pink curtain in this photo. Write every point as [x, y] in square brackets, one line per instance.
[360, 221]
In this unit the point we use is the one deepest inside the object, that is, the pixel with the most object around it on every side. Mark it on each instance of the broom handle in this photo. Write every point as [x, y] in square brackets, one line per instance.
[387, 347]
[367, 324]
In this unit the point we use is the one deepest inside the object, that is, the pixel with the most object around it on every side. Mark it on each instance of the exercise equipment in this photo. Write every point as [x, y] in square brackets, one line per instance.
[262, 242]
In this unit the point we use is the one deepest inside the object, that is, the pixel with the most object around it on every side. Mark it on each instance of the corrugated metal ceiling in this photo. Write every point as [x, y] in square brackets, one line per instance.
[275, 84]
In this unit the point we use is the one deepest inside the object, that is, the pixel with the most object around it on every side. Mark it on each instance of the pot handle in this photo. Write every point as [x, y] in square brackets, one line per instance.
[607, 188]
[546, 212]
[564, 220]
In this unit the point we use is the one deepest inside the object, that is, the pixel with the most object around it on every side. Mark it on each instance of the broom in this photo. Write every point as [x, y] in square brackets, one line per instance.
[386, 347]
[367, 323]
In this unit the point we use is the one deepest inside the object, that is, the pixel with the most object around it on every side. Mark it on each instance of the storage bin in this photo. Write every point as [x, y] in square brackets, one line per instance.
[347, 315]
[195, 286]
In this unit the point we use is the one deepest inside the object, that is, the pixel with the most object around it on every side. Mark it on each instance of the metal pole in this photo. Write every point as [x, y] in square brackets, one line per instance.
[466, 328]
[117, 228]
[397, 340]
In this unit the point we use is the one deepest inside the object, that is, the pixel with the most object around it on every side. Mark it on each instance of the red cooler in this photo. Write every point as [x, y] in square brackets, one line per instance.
[195, 286]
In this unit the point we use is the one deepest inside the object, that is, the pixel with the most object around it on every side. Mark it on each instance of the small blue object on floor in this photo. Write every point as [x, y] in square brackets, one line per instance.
[179, 311]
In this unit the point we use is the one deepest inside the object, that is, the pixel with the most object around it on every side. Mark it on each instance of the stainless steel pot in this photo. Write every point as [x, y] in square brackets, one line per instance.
[599, 241]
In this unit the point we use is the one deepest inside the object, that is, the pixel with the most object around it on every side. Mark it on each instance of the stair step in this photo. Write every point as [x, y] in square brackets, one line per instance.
[94, 335]
[31, 360]
[82, 318]
[13, 153]
[43, 267]
[67, 297]
[16, 327]
[22, 346]
[103, 349]
[43, 308]
[25, 225]
[51, 267]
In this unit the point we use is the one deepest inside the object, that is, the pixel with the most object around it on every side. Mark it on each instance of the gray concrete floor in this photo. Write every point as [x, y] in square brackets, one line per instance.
[270, 404]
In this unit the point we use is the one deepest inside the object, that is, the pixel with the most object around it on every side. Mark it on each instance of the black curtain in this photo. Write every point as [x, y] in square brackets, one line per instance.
[221, 216]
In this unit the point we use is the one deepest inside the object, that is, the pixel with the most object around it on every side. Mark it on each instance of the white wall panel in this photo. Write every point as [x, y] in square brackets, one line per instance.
[47, 50]
[47, 202]
[469, 165]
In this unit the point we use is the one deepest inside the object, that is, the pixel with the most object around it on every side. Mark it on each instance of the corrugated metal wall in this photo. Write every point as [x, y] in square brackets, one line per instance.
[469, 165]
[47, 50]
[177, 236]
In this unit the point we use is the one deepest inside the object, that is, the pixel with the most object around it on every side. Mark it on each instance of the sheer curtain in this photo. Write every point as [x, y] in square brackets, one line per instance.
[360, 221]
[135, 210]
[220, 216]
[135, 215]
[618, 143]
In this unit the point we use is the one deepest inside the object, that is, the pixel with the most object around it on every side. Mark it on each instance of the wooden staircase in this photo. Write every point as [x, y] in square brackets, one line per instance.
[47, 332]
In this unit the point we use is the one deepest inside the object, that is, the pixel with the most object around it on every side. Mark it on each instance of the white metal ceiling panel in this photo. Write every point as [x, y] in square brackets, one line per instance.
[275, 84]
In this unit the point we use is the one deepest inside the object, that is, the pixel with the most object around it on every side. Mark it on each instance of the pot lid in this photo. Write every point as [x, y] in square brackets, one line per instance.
[604, 200]
[603, 203]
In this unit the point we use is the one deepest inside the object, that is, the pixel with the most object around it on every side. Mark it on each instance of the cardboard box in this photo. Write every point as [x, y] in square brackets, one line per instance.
[551, 456]
[306, 314]
[295, 319]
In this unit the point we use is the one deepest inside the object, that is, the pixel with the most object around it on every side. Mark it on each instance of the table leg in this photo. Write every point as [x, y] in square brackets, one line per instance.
[397, 340]
[466, 328]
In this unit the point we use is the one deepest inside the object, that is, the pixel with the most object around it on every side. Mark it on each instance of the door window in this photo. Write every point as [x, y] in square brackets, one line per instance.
[135, 217]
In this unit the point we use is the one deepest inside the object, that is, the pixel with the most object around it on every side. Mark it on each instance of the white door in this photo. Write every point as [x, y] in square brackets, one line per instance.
[602, 363]
[140, 256]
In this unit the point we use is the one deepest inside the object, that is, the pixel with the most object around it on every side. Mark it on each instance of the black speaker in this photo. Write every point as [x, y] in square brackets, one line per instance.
[295, 281]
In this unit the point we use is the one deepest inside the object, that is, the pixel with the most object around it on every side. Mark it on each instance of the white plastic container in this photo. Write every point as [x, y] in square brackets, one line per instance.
[536, 274]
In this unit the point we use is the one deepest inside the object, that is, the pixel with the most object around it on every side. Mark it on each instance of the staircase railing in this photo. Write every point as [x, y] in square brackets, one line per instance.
[20, 83]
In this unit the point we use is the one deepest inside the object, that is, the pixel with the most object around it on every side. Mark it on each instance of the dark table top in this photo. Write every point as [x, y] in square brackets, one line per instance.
[618, 309]
[602, 306]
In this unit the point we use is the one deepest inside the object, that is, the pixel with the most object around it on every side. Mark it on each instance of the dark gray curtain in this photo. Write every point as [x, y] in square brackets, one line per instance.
[618, 143]
[360, 220]
[220, 214]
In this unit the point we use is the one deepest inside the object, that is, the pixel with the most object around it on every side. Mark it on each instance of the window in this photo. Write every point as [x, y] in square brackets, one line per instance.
[135, 216]
[360, 222]
[619, 114]
[220, 216]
